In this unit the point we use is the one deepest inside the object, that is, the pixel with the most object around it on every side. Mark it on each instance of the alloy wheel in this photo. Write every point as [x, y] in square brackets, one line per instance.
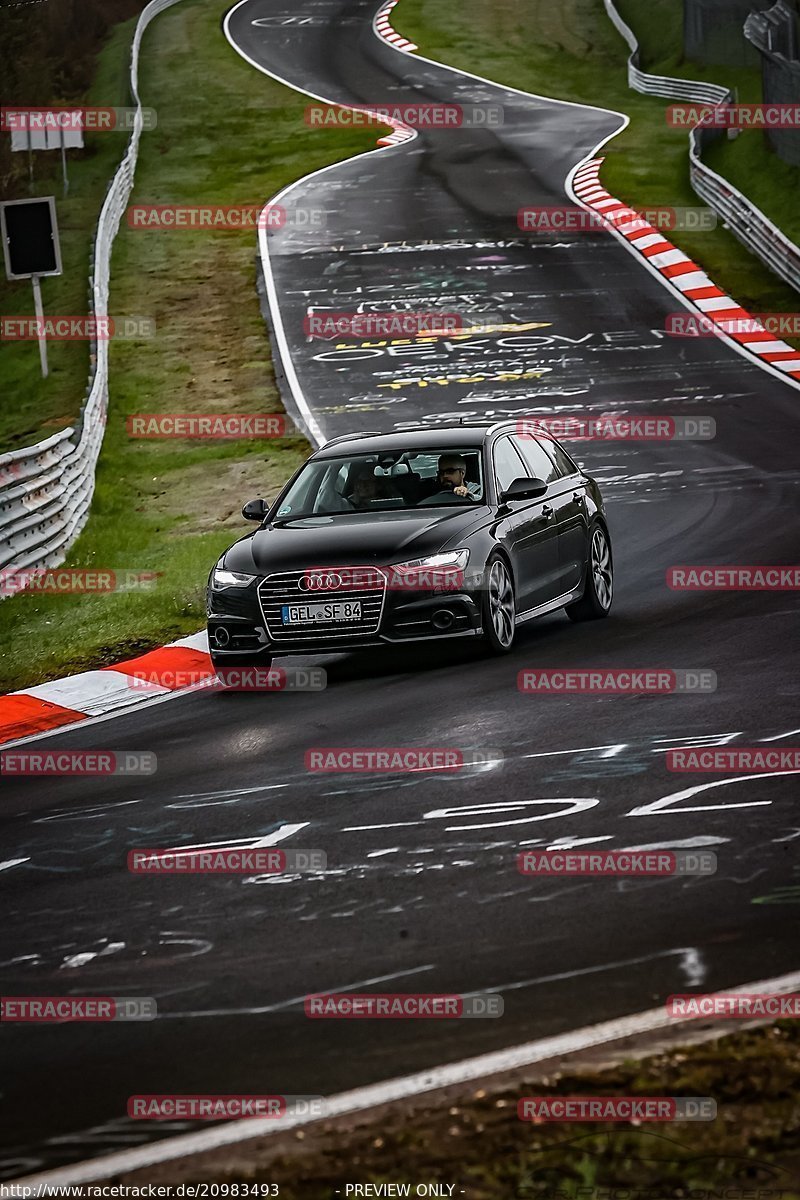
[602, 571]
[502, 608]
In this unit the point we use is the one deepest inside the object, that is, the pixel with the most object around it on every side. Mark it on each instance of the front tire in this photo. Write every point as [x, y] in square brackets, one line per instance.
[499, 607]
[598, 592]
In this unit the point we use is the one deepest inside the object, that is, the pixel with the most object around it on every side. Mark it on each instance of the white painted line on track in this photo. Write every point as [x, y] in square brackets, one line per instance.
[308, 418]
[583, 170]
[360, 1100]
[576, 191]
[12, 862]
[297, 1001]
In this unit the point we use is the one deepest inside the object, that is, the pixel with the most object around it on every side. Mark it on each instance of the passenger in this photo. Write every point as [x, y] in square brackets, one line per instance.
[365, 489]
[368, 487]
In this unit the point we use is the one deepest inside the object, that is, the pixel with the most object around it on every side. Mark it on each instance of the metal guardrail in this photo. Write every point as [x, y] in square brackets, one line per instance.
[46, 490]
[662, 85]
[747, 222]
[750, 225]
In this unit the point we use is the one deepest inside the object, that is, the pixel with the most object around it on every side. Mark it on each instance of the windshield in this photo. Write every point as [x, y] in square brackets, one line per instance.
[393, 480]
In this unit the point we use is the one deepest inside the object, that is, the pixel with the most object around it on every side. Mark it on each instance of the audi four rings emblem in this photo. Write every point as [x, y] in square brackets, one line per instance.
[320, 583]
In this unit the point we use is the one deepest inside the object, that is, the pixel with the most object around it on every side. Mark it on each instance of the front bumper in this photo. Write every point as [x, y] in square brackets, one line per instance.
[250, 626]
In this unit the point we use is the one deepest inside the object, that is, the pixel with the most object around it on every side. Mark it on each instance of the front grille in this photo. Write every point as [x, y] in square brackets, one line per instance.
[284, 588]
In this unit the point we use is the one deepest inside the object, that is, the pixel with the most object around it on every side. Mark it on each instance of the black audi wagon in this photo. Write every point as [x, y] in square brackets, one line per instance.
[458, 531]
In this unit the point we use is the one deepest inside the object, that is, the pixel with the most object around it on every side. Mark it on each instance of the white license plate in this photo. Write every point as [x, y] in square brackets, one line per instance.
[310, 614]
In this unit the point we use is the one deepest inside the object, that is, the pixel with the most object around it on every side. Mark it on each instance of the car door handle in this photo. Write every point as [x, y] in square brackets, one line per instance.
[547, 511]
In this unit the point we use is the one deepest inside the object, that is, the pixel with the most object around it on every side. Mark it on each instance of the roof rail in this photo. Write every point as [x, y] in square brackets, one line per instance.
[348, 437]
[502, 425]
[411, 428]
[463, 423]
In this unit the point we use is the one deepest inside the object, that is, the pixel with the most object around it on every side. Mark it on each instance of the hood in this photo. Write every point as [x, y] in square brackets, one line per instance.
[353, 539]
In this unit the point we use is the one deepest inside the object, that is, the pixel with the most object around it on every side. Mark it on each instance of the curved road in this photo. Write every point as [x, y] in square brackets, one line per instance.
[421, 891]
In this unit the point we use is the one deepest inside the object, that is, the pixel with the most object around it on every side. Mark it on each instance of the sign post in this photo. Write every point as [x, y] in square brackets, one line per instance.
[38, 308]
[64, 161]
[45, 129]
[31, 249]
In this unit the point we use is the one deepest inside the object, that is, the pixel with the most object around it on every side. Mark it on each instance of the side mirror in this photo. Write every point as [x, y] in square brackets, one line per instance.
[524, 489]
[255, 510]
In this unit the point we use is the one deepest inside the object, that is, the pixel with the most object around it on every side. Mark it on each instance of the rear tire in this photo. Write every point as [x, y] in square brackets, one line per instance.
[598, 592]
[498, 607]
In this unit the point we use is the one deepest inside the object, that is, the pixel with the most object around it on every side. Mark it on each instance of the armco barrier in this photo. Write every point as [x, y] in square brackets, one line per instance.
[46, 490]
[750, 225]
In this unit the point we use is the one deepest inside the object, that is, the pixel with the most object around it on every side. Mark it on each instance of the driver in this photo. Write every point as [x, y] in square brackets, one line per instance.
[450, 477]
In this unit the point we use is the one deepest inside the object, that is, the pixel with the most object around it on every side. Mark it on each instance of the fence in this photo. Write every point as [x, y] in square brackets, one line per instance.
[712, 31]
[774, 34]
[46, 490]
[748, 223]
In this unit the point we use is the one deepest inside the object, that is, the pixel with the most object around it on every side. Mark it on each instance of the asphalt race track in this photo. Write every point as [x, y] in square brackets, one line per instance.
[422, 891]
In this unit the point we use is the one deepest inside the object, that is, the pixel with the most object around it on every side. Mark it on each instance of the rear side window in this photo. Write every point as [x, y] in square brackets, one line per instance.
[538, 462]
[563, 461]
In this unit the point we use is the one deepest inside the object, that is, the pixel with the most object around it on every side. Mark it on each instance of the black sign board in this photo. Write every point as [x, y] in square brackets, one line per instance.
[30, 237]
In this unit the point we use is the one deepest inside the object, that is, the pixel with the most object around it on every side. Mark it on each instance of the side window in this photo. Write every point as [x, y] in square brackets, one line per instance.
[508, 465]
[563, 461]
[538, 462]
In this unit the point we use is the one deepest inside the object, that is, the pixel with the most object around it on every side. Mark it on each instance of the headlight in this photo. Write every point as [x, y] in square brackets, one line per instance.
[453, 559]
[226, 579]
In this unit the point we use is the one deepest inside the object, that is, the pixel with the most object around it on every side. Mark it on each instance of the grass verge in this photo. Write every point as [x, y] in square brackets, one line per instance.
[747, 161]
[476, 1144]
[172, 507]
[227, 135]
[571, 51]
[43, 406]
